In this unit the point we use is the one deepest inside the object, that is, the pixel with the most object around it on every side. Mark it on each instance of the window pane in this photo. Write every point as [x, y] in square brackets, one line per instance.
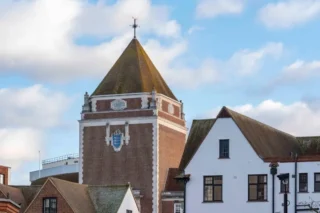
[218, 193]
[224, 148]
[317, 187]
[218, 180]
[262, 192]
[253, 179]
[317, 177]
[303, 178]
[47, 203]
[208, 193]
[253, 192]
[262, 179]
[303, 187]
[208, 180]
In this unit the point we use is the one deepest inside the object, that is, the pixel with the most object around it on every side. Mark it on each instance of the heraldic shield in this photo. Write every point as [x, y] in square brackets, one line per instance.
[117, 140]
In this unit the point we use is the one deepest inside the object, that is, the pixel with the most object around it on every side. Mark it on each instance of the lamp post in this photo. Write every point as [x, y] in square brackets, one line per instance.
[284, 178]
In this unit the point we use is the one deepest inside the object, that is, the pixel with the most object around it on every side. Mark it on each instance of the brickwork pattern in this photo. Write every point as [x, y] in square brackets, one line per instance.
[49, 191]
[119, 114]
[171, 148]
[6, 207]
[133, 163]
[176, 112]
[167, 207]
[5, 171]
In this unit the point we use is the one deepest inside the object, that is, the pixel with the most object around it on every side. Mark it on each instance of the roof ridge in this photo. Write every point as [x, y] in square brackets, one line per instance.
[259, 122]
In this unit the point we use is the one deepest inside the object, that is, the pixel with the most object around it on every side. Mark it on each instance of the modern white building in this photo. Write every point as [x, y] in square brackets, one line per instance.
[55, 167]
[233, 162]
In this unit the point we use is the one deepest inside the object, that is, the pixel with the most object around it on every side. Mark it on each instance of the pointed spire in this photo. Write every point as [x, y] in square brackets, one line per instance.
[133, 72]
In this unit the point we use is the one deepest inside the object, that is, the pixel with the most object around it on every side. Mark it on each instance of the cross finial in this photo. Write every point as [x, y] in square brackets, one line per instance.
[134, 26]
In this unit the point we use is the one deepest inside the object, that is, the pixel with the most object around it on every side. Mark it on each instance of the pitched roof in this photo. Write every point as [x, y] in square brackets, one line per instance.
[133, 72]
[171, 184]
[28, 192]
[75, 194]
[198, 132]
[265, 140]
[107, 199]
[72, 177]
[310, 145]
[13, 194]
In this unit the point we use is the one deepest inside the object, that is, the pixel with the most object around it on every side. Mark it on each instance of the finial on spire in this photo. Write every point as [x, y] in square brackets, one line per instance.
[134, 26]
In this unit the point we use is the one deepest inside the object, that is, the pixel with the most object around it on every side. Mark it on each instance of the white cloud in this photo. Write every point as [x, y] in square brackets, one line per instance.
[19, 145]
[248, 61]
[38, 43]
[213, 8]
[300, 70]
[34, 106]
[99, 19]
[194, 29]
[26, 114]
[180, 74]
[289, 13]
[298, 118]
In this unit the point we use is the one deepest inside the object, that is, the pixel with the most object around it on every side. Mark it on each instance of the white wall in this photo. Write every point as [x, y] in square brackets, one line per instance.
[243, 161]
[128, 203]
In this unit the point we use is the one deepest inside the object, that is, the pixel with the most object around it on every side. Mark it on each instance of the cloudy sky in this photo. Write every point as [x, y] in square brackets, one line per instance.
[260, 58]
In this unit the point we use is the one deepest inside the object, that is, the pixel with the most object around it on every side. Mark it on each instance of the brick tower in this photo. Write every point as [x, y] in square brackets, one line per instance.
[132, 129]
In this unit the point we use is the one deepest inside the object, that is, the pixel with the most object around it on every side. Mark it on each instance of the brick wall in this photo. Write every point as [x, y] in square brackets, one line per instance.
[133, 163]
[49, 191]
[167, 207]
[7, 207]
[5, 171]
[171, 146]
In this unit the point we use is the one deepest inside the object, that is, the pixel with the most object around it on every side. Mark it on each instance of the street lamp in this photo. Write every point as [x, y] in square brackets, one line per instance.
[284, 178]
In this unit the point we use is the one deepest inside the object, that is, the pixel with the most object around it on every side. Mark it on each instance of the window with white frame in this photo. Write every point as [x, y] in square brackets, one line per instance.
[178, 208]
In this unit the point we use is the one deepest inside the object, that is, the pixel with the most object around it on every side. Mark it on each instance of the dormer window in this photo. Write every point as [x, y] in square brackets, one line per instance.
[224, 148]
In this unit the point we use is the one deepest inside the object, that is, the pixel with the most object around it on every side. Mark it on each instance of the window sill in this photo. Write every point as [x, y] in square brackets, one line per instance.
[283, 192]
[223, 158]
[316, 192]
[255, 201]
[212, 201]
[303, 192]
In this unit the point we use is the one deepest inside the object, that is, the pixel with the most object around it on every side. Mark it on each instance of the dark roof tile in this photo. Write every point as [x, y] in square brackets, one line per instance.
[133, 72]
[197, 133]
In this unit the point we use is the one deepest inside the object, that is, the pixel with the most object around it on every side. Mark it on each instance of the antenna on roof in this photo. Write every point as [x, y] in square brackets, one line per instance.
[134, 26]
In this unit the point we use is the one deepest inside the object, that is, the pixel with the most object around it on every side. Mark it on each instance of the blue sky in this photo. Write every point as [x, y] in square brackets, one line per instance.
[259, 58]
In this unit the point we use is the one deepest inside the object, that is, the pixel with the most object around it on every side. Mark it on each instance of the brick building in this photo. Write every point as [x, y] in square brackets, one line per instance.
[132, 129]
[60, 196]
[4, 175]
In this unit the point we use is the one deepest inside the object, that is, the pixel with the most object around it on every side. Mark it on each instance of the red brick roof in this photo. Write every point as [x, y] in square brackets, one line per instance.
[133, 72]
[171, 184]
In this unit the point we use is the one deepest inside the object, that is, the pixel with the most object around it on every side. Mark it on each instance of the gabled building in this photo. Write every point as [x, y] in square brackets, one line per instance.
[57, 195]
[233, 161]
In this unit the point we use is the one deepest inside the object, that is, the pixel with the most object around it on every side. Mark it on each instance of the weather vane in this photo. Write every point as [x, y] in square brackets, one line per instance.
[134, 26]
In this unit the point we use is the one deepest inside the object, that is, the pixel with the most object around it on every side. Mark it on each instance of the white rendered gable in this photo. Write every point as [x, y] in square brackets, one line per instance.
[128, 203]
